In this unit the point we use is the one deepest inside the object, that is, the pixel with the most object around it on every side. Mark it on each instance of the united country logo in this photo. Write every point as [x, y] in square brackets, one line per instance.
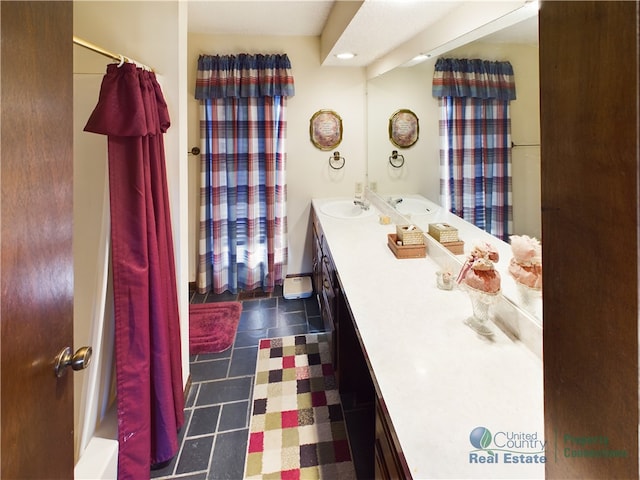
[480, 437]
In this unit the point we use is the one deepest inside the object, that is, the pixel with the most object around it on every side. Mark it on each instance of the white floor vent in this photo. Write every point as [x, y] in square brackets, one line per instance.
[297, 287]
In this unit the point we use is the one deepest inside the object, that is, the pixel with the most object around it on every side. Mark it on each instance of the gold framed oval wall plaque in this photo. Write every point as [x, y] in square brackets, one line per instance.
[325, 129]
[403, 128]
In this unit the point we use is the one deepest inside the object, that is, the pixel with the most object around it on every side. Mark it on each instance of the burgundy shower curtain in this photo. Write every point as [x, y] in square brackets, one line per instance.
[131, 110]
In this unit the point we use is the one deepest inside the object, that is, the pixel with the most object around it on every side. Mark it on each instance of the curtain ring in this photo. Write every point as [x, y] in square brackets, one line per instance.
[121, 60]
[396, 160]
[336, 161]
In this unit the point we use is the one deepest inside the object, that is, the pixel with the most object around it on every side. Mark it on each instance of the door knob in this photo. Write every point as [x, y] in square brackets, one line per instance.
[78, 361]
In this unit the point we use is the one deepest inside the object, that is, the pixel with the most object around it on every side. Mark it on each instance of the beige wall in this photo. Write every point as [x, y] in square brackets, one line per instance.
[308, 172]
[408, 88]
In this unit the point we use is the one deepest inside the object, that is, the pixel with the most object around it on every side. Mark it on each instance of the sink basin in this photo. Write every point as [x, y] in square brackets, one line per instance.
[416, 206]
[345, 209]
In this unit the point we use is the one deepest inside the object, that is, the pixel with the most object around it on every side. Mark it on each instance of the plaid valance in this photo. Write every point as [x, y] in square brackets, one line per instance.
[455, 77]
[223, 76]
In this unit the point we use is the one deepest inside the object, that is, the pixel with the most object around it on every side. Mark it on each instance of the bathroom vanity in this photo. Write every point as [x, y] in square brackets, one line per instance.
[402, 351]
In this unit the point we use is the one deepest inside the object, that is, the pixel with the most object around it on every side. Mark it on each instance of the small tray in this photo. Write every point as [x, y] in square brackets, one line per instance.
[405, 251]
[456, 248]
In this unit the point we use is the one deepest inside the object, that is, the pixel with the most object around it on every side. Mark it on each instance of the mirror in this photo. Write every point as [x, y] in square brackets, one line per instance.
[410, 88]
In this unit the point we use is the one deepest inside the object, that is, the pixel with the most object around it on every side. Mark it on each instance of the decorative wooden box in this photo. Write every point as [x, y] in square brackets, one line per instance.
[443, 232]
[410, 237]
[405, 251]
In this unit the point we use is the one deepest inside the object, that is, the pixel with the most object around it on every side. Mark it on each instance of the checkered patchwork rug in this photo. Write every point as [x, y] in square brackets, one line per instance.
[297, 426]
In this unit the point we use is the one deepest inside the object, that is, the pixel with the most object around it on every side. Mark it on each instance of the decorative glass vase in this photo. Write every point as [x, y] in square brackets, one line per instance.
[481, 303]
[530, 299]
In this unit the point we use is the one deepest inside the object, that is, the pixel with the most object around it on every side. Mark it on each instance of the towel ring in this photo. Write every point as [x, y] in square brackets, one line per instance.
[336, 161]
[396, 160]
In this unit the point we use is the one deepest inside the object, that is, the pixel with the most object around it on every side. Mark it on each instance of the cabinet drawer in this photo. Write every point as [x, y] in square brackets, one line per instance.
[327, 312]
[329, 285]
[329, 270]
[317, 267]
[328, 290]
[330, 282]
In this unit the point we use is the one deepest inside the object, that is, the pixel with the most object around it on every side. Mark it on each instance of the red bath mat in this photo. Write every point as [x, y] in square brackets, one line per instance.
[213, 326]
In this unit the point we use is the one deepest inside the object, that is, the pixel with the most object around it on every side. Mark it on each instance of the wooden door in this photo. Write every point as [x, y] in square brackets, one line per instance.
[36, 270]
[589, 136]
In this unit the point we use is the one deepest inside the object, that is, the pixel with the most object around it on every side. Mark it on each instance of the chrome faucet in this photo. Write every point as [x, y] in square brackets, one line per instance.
[362, 204]
[394, 201]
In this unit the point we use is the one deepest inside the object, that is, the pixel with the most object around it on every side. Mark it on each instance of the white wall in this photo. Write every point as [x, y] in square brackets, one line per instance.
[307, 169]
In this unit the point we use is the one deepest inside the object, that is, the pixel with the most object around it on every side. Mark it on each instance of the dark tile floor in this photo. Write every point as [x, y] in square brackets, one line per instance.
[218, 407]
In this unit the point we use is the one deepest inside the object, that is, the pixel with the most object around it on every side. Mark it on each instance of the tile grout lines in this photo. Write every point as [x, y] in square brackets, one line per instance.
[276, 317]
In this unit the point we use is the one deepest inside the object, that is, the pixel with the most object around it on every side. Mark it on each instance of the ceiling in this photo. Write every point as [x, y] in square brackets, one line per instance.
[369, 28]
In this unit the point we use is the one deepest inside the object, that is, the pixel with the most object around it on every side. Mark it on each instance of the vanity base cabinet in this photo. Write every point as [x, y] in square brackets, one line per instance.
[328, 296]
[376, 450]
[357, 391]
[353, 375]
[325, 284]
[316, 276]
[375, 453]
[387, 460]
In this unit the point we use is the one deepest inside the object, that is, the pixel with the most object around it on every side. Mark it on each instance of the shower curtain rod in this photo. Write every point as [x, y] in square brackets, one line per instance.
[107, 53]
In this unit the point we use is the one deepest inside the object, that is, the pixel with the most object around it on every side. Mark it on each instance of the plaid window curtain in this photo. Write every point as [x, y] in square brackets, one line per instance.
[243, 223]
[475, 141]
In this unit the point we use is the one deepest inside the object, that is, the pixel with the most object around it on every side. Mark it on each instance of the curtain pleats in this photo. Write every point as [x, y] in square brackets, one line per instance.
[221, 76]
[243, 220]
[131, 110]
[243, 224]
[462, 77]
[475, 141]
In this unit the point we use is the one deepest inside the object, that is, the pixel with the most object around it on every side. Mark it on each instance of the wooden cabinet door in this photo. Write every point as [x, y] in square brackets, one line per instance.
[388, 462]
[589, 147]
[36, 209]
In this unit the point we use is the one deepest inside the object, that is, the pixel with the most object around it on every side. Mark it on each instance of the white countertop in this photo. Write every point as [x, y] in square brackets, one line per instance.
[438, 378]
